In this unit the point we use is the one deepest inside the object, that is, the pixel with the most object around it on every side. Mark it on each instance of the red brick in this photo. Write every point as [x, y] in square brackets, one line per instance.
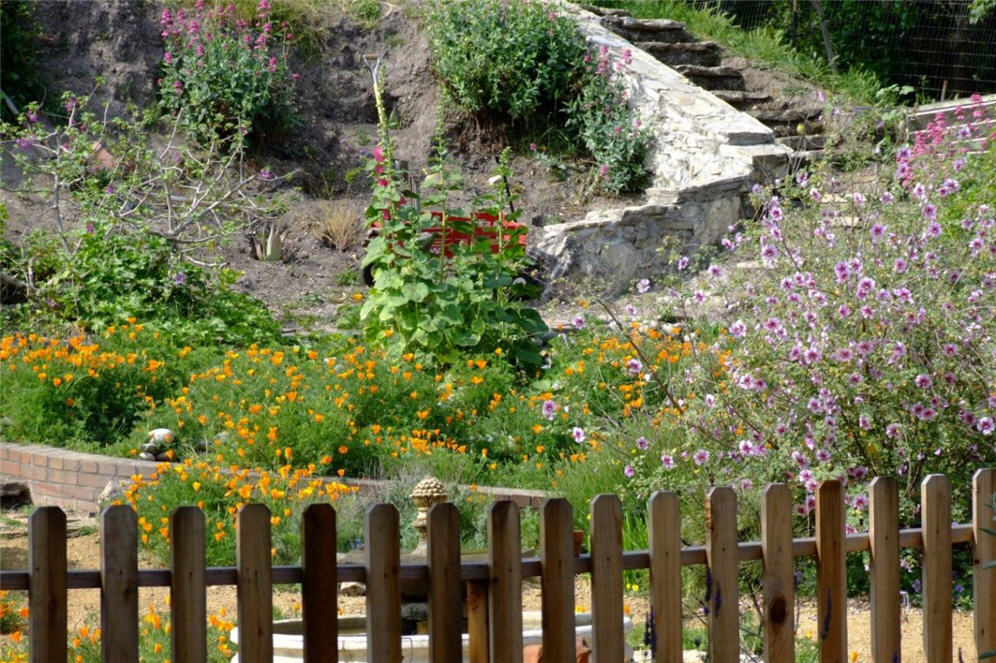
[108, 468]
[33, 472]
[81, 493]
[45, 488]
[97, 481]
[71, 464]
[60, 476]
[39, 459]
[56, 462]
[88, 465]
[10, 468]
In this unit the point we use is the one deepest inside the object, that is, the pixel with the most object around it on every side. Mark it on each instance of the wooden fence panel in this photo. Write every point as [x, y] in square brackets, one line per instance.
[665, 575]
[984, 518]
[831, 575]
[119, 585]
[935, 502]
[883, 529]
[557, 557]
[255, 584]
[383, 548]
[319, 607]
[445, 605]
[48, 592]
[606, 579]
[779, 579]
[505, 590]
[477, 621]
[188, 590]
[722, 594]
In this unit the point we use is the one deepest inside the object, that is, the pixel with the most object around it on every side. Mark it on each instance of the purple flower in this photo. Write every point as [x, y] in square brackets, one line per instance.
[634, 366]
[629, 471]
[700, 457]
[923, 381]
[985, 425]
[642, 444]
[549, 408]
[682, 262]
[266, 174]
[822, 455]
[893, 431]
[578, 434]
[642, 286]
[738, 329]
[667, 461]
[578, 322]
[180, 278]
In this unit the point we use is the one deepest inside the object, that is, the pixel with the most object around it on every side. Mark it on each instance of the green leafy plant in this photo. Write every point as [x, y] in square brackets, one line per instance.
[226, 77]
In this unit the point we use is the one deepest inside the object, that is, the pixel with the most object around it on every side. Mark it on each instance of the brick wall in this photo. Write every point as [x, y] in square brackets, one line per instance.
[74, 480]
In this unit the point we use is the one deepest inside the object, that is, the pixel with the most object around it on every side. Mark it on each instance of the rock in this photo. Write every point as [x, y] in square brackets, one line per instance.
[352, 589]
[145, 455]
[162, 436]
[112, 491]
[164, 457]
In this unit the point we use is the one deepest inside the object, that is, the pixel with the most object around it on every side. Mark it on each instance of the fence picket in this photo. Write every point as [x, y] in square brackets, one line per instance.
[445, 612]
[935, 519]
[505, 590]
[188, 591]
[383, 548]
[319, 607]
[557, 557]
[665, 575]
[983, 519]
[883, 529]
[48, 593]
[831, 575]
[606, 579]
[722, 593]
[779, 591]
[477, 621]
[255, 584]
[119, 585]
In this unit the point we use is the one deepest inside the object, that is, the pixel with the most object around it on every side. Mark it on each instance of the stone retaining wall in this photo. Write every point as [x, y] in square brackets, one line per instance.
[75, 480]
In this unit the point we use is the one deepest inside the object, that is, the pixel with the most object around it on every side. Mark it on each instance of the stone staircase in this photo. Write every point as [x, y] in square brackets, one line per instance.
[795, 124]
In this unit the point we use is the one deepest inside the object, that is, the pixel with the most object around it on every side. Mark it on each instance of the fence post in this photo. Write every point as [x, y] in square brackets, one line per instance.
[665, 575]
[883, 535]
[935, 500]
[188, 589]
[505, 590]
[319, 606]
[983, 519]
[722, 591]
[557, 556]
[606, 579]
[119, 585]
[383, 547]
[445, 613]
[779, 590]
[48, 592]
[831, 575]
[255, 584]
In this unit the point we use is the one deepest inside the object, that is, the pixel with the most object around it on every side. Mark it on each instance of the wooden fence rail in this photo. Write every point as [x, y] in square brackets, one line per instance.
[494, 587]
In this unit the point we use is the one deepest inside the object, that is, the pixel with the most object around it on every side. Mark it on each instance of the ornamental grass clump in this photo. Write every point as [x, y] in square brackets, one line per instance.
[224, 76]
[862, 344]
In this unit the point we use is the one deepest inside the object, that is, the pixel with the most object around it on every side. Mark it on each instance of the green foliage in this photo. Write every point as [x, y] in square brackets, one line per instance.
[21, 78]
[445, 281]
[225, 77]
[517, 60]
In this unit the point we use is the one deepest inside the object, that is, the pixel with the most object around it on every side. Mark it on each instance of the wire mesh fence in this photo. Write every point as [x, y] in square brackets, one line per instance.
[931, 45]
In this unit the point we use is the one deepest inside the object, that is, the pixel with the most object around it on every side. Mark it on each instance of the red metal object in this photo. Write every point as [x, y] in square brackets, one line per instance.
[483, 226]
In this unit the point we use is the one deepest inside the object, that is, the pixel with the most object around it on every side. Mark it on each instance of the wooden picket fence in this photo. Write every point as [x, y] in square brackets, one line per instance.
[494, 606]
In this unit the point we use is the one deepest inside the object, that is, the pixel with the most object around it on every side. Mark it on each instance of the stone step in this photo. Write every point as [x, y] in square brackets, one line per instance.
[702, 53]
[742, 100]
[656, 29]
[787, 116]
[713, 78]
[799, 142]
[605, 11]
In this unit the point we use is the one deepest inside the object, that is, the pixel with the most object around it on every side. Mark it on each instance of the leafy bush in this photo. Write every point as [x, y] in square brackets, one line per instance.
[224, 76]
[524, 62]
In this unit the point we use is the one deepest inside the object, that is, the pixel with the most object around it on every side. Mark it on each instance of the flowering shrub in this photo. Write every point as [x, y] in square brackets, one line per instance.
[863, 346]
[224, 76]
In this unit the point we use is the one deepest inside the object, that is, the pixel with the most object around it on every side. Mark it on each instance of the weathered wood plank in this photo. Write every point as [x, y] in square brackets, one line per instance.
[477, 621]
[884, 570]
[831, 575]
[119, 585]
[722, 594]
[557, 556]
[445, 612]
[383, 548]
[779, 579]
[319, 607]
[505, 590]
[188, 589]
[255, 584]
[606, 579]
[48, 593]
[984, 518]
[935, 502]
[665, 575]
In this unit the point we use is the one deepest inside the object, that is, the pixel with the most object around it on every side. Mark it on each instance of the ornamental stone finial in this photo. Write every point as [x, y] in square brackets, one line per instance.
[427, 492]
